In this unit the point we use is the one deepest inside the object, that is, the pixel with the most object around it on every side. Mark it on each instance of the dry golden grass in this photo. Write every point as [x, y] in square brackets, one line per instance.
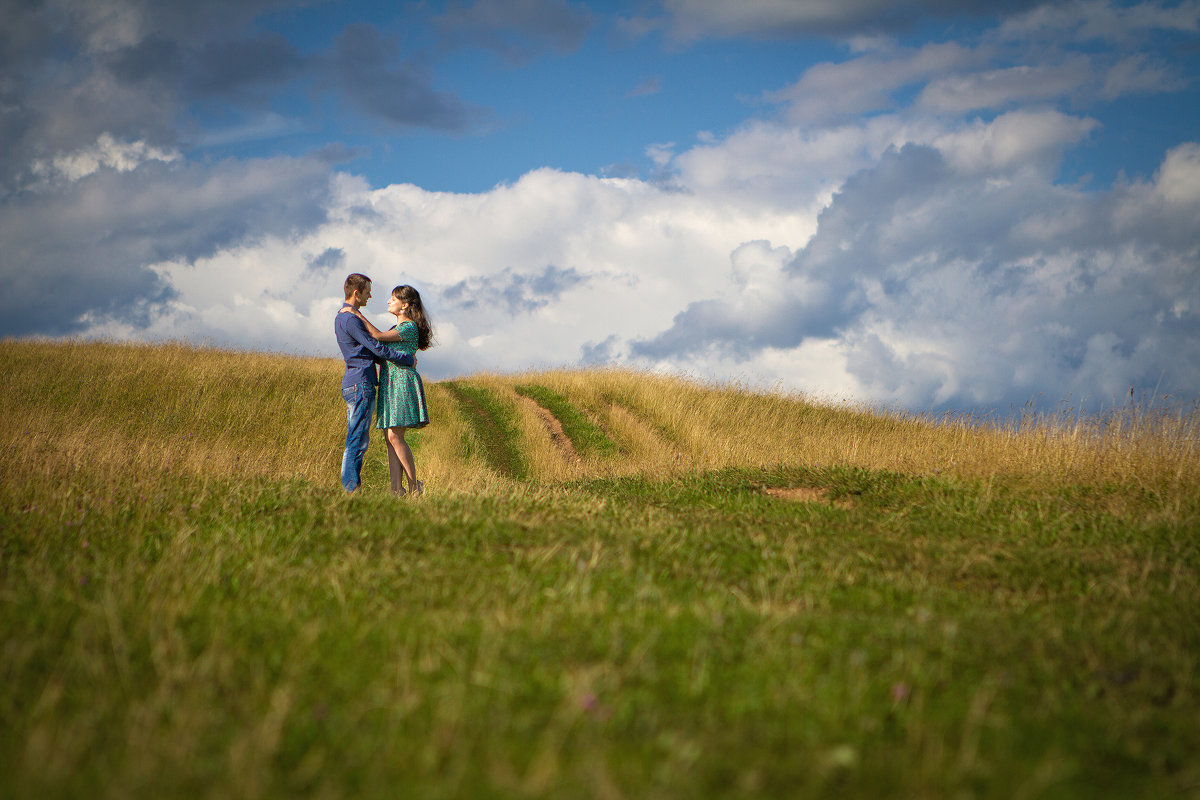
[120, 408]
[545, 459]
[129, 410]
[440, 461]
[670, 424]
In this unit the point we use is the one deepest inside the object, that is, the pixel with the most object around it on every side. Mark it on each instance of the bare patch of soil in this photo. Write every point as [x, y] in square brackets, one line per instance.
[804, 494]
[554, 428]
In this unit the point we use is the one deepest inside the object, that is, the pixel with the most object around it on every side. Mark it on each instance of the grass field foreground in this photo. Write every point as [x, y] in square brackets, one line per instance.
[711, 592]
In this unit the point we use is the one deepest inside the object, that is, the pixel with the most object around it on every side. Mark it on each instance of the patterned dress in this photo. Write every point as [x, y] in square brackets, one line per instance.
[401, 401]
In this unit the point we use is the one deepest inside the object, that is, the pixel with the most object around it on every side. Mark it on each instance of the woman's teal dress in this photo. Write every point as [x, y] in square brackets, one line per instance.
[401, 402]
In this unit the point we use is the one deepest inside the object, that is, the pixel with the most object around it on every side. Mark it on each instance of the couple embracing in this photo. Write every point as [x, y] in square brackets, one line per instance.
[401, 395]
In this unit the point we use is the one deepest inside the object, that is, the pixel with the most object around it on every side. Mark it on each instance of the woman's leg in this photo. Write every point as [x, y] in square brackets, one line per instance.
[404, 454]
[395, 471]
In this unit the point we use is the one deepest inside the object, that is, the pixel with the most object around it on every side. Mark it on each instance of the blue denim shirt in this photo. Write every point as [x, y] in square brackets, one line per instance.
[361, 351]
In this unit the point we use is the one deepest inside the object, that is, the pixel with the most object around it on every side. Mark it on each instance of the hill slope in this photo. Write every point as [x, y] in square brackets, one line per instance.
[618, 585]
[218, 413]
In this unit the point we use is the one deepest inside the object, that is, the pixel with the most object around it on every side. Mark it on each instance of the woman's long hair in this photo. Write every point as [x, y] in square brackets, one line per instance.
[416, 312]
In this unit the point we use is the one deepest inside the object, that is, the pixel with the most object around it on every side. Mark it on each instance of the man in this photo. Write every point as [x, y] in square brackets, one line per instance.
[361, 353]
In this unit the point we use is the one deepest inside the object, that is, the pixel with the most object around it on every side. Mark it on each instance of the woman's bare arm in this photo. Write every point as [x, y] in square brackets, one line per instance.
[376, 334]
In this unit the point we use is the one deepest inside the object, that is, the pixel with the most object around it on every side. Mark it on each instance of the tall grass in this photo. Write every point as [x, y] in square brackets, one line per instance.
[191, 606]
[217, 413]
[692, 425]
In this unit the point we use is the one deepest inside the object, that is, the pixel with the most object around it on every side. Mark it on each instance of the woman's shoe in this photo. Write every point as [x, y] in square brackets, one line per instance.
[417, 490]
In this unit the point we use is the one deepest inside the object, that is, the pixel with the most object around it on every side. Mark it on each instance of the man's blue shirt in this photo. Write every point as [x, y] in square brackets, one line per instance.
[361, 351]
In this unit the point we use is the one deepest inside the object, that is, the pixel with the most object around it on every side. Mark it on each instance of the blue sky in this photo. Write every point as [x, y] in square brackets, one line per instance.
[592, 107]
[920, 205]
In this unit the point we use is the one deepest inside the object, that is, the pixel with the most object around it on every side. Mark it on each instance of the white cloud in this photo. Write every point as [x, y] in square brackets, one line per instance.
[1048, 55]
[937, 283]
[897, 261]
[1178, 181]
[777, 166]
[1138, 75]
[1084, 21]
[1012, 140]
[1001, 87]
[661, 153]
[552, 264]
[829, 91]
[1165, 210]
[96, 239]
[108, 153]
[913, 255]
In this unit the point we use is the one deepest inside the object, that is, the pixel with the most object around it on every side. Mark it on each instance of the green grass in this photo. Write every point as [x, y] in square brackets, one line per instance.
[586, 437]
[675, 638]
[191, 633]
[494, 427]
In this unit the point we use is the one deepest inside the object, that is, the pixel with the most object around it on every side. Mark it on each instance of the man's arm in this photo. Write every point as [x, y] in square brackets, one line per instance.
[358, 332]
[380, 336]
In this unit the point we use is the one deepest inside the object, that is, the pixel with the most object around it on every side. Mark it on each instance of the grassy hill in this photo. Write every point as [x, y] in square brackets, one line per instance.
[617, 585]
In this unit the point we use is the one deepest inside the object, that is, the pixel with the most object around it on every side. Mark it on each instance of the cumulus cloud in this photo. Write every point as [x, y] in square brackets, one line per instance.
[526, 274]
[73, 72]
[927, 281]
[1177, 183]
[766, 164]
[940, 285]
[830, 91]
[1018, 139]
[106, 152]
[949, 271]
[97, 238]
[861, 243]
[76, 70]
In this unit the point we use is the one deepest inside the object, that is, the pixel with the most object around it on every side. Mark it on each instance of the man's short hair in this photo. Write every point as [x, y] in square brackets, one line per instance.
[356, 282]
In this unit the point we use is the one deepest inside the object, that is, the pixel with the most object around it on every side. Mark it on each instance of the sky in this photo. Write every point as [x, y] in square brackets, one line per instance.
[932, 205]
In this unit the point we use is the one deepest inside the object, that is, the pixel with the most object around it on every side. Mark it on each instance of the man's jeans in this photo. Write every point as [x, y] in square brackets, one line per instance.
[360, 403]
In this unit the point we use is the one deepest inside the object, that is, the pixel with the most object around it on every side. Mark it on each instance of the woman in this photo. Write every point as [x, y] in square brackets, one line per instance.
[401, 401]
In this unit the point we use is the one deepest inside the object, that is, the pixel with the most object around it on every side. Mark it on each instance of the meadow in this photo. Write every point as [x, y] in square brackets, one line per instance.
[618, 585]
